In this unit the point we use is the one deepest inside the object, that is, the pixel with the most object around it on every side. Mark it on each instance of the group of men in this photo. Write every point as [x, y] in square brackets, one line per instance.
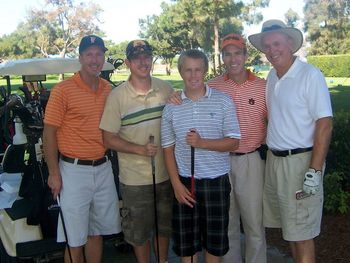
[192, 164]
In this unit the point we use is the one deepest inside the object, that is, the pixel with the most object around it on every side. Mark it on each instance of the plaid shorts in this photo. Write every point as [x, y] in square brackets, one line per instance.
[206, 225]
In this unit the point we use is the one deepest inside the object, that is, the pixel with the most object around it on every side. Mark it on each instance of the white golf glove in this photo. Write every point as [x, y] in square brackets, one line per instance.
[312, 181]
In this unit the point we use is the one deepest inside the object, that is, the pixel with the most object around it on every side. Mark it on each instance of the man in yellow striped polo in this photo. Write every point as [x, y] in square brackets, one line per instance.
[132, 115]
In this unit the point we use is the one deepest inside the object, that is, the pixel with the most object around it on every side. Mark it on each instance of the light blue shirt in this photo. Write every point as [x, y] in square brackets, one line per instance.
[214, 117]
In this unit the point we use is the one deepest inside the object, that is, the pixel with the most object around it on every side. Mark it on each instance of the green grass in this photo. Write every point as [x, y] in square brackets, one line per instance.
[340, 97]
[339, 87]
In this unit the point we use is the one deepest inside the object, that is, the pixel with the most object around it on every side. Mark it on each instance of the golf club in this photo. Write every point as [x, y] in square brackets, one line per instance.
[192, 190]
[151, 140]
[64, 228]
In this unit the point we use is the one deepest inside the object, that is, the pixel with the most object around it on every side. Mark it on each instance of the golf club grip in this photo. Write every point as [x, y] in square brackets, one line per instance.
[151, 140]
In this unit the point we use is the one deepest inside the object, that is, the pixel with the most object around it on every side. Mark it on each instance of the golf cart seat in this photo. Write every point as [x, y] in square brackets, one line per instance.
[17, 230]
[20, 239]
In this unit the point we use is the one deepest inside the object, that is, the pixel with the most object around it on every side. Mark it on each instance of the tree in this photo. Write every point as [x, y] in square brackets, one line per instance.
[200, 23]
[291, 18]
[60, 24]
[328, 26]
[19, 44]
[169, 33]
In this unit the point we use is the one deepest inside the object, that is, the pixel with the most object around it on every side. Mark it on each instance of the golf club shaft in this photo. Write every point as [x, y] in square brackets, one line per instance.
[192, 171]
[151, 140]
[192, 191]
[64, 228]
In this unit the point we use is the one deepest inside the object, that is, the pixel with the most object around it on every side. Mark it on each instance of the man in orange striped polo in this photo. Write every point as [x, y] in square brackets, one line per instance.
[79, 171]
[247, 167]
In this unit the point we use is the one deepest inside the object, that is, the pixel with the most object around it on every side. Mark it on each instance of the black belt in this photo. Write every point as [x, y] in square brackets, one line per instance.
[84, 162]
[239, 154]
[291, 152]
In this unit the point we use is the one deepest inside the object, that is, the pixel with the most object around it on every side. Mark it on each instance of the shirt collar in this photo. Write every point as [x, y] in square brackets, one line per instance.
[292, 71]
[250, 76]
[134, 92]
[206, 95]
[78, 79]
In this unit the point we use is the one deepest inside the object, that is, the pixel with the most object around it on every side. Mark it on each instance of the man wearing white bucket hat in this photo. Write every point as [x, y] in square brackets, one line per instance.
[298, 136]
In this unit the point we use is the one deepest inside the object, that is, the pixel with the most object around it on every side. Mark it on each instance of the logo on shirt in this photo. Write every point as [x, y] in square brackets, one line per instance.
[251, 101]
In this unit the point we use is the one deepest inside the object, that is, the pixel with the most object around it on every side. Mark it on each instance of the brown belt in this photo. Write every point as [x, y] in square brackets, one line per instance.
[239, 154]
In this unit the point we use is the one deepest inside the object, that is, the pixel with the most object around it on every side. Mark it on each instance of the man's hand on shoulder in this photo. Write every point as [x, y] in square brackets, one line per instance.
[175, 98]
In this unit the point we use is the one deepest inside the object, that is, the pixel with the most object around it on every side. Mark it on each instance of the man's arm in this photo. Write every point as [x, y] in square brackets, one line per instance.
[115, 142]
[51, 157]
[220, 145]
[182, 194]
[322, 138]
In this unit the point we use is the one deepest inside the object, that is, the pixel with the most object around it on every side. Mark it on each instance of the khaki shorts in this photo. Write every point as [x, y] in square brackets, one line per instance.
[299, 219]
[138, 215]
[89, 202]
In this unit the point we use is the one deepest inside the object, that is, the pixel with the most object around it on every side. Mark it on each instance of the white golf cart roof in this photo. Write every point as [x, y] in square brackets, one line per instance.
[43, 66]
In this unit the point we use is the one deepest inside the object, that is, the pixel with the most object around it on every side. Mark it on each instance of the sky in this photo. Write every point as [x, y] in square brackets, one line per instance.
[121, 17]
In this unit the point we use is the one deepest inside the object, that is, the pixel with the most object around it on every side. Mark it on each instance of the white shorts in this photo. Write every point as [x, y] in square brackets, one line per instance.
[89, 202]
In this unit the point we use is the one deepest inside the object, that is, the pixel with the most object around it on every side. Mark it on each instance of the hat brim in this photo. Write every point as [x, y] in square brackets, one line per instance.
[295, 34]
[136, 54]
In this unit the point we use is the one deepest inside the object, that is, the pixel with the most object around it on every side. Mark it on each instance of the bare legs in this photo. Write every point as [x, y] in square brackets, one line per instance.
[93, 251]
[303, 251]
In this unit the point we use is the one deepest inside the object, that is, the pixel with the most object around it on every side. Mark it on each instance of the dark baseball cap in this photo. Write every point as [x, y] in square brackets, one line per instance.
[91, 40]
[137, 47]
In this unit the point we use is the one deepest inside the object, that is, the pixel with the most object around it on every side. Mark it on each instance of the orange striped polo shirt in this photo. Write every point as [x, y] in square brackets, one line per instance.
[76, 110]
[249, 98]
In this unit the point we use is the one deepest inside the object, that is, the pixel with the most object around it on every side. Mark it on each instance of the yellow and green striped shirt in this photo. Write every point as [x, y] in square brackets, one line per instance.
[135, 117]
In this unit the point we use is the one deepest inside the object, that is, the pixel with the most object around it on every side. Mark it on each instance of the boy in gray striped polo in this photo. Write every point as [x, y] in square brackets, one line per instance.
[205, 120]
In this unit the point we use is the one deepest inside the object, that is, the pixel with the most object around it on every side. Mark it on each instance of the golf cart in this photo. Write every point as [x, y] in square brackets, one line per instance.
[28, 214]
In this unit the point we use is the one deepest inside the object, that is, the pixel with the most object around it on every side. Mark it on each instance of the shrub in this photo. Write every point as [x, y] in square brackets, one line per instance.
[338, 159]
[332, 65]
[337, 175]
[335, 198]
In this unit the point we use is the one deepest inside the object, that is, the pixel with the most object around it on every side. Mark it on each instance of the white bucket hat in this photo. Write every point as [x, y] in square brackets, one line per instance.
[274, 25]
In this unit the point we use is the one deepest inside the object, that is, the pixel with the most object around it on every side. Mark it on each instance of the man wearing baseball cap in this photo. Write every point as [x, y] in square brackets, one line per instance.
[298, 135]
[131, 126]
[247, 167]
[79, 170]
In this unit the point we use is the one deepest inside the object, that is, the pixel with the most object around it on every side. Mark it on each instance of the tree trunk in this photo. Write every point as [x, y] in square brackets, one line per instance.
[62, 55]
[217, 62]
[168, 69]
